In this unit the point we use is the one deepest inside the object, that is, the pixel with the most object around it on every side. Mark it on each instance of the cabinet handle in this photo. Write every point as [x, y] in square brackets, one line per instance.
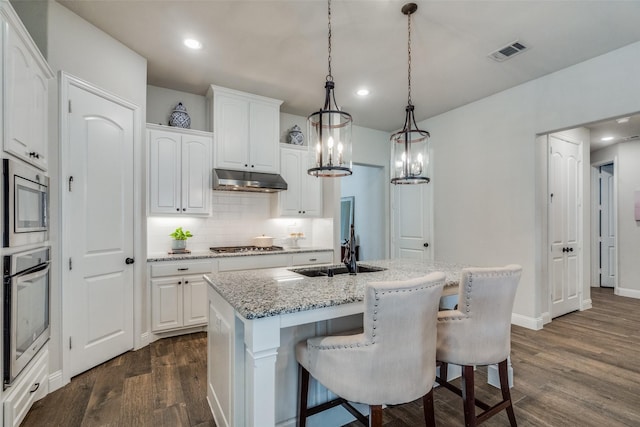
[313, 259]
[35, 388]
[183, 269]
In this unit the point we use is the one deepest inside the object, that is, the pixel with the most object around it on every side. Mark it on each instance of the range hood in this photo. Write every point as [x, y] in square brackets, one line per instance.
[224, 179]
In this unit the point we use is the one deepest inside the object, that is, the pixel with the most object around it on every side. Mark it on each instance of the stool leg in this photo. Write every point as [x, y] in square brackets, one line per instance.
[444, 371]
[304, 393]
[429, 413]
[503, 373]
[375, 415]
[468, 397]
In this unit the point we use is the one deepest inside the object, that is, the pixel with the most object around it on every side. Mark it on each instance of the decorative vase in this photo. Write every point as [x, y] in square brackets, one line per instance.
[178, 244]
[296, 137]
[179, 117]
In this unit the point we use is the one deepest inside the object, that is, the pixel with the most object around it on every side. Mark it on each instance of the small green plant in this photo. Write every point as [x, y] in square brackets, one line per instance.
[181, 235]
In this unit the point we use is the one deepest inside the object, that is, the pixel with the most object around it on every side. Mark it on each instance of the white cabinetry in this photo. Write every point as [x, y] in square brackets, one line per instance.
[303, 198]
[178, 295]
[25, 83]
[179, 171]
[246, 130]
[31, 385]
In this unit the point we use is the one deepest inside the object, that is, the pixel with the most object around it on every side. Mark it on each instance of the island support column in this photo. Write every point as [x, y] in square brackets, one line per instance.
[262, 339]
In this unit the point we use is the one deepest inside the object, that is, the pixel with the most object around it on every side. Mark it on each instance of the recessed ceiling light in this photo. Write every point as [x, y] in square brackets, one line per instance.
[362, 92]
[623, 120]
[606, 138]
[192, 44]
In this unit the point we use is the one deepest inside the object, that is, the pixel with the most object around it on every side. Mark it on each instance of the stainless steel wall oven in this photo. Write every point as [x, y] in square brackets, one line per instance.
[25, 193]
[26, 308]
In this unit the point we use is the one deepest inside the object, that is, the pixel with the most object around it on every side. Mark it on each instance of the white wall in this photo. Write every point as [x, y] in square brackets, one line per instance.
[161, 103]
[487, 167]
[366, 185]
[627, 175]
[78, 48]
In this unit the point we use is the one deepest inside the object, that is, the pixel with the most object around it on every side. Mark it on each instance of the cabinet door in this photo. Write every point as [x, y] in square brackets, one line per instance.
[289, 200]
[25, 103]
[195, 174]
[166, 303]
[164, 172]
[231, 132]
[194, 296]
[264, 137]
[311, 191]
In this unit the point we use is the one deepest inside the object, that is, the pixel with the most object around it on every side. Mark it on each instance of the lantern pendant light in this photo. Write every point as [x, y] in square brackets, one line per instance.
[329, 132]
[410, 148]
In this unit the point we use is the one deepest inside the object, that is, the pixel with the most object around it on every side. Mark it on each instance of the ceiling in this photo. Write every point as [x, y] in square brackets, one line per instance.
[278, 48]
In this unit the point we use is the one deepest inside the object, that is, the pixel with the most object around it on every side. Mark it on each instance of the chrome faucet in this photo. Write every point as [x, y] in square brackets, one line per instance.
[349, 258]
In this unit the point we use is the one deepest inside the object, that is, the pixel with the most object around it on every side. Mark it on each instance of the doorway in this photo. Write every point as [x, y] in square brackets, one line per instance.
[97, 188]
[604, 211]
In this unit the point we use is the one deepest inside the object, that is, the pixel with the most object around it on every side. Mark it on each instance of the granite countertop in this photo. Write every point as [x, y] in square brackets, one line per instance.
[163, 256]
[271, 292]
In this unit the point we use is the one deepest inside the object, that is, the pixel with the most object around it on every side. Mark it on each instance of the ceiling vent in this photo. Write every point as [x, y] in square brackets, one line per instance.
[630, 138]
[508, 51]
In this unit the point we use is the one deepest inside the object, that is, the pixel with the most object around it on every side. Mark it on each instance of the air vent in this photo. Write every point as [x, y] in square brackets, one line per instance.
[630, 138]
[508, 51]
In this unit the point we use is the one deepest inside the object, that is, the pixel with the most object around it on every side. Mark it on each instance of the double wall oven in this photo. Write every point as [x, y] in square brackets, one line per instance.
[25, 265]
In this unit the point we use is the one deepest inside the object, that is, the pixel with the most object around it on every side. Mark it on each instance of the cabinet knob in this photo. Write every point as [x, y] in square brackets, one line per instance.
[184, 209]
[177, 209]
[245, 165]
[186, 281]
[304, 212]
[252, 166]
[179, 282]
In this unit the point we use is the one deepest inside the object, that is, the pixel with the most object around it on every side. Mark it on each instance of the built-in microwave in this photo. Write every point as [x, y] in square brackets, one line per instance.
[25, 193]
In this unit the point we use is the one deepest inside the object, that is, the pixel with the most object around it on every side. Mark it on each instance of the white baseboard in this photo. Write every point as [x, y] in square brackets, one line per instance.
[586, 304]
[546, 317]
[145, 340]
[534, 323]
[55, 381]
[626, 292]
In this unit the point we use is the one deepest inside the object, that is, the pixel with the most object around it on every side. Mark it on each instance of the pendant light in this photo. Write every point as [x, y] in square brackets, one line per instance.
[329, 131]
[410, 149]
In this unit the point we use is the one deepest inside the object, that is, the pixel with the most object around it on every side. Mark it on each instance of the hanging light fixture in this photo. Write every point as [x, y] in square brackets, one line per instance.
[410, 149]
[329, 132]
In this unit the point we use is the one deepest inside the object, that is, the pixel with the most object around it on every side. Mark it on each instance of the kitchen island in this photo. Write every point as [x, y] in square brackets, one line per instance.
[257, 316]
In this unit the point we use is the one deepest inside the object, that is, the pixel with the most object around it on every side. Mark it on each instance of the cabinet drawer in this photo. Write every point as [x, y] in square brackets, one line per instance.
[311, 258]
[181, 268]
[33, 385]
[252, 262]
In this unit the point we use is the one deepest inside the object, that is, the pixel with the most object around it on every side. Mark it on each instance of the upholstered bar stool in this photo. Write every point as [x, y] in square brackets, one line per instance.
[391, 362]
[478, 333]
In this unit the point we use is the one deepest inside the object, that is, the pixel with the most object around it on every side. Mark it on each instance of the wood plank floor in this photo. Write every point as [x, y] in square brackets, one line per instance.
[582, 370]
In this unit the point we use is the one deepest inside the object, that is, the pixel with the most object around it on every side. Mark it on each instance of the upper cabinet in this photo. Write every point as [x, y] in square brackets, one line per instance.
[303, 197]
[26, 83]
[246, 130]
[179, 170]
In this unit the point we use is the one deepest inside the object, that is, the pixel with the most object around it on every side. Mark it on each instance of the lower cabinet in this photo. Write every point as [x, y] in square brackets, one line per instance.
[31, 385]
[178, 301]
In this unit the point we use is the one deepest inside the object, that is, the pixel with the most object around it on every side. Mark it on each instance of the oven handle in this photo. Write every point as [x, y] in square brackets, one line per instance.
[31, 271]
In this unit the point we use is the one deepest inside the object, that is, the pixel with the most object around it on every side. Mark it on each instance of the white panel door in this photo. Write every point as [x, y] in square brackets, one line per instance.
[411, 219]
[607, 228]
[99, 215]
[564, 232]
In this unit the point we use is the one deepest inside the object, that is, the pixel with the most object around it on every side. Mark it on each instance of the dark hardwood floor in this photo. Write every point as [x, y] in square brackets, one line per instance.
[582, 370]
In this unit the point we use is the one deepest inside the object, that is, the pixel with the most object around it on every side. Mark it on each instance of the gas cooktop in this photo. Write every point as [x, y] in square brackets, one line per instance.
[236, 249]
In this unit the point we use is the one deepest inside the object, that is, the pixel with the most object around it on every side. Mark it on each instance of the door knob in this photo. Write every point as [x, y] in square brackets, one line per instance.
[129, 261]
[426, 245]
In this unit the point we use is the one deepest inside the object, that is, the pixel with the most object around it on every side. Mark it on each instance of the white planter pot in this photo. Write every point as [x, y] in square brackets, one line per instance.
[178, 244]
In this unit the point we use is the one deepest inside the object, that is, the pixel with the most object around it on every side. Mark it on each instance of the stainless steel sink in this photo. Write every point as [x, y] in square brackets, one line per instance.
[333, 270]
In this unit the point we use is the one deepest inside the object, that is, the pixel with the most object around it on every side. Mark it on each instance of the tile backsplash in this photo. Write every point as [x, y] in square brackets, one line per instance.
[237, 218]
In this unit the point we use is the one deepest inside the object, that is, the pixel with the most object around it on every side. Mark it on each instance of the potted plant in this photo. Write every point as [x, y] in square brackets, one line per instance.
[180, 238]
